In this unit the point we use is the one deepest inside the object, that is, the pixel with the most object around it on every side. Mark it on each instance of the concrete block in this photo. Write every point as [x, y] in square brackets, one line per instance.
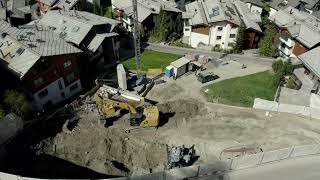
[315, 113]
[294, 109]
[305, 150]
[181, 173]
[276, 155]
[265, 105]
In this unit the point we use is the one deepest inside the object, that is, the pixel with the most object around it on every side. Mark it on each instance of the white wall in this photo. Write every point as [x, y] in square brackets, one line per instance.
[225, 35]
[255, 9]
[197, 38]
[54, 93]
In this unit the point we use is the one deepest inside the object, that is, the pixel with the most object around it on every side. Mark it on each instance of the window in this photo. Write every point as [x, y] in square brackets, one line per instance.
[75, 29]
[74, 87]
[283, 45]
[38, 82]
[43, 93]
[217, 46]
[232, 35]
[60, 85]
[219, 37]
[186, 29]
[70, 78]
[67, 64]
[220, 28]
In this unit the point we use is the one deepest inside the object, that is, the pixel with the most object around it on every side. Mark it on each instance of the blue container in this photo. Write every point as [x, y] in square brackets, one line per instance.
[168, 71]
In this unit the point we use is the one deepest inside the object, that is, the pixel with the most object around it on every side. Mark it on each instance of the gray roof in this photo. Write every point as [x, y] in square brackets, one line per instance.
[98, 39]
[74, 26]
[249, 18]
[283, 4]
[145, 7]
[48, 2]
[3, 14]
[66, 4]
[255, 2]
[301, 25]
[180, 62]
[18, 8]
[33, 44]
[210, 11]
[311, 60]
[310, 3]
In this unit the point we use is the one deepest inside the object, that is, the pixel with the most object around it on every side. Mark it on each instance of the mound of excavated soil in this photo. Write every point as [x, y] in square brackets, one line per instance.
[105, 150]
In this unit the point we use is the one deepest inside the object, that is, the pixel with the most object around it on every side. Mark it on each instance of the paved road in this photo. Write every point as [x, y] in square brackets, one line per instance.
[182, 51]
[305, 168]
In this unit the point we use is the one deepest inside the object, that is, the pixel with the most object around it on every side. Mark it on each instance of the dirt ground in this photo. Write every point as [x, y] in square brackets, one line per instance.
[185, 119]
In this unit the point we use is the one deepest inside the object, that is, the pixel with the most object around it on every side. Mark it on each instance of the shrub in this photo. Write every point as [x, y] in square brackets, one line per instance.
[277, 66]
[17, 102]
[290, 83]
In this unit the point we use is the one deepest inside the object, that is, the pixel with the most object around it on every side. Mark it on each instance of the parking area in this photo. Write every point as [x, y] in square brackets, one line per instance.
[297, 97]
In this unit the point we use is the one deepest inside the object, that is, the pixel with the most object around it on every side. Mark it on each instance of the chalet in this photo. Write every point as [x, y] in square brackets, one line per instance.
[148, 12]
[299, 31]
[43, 63]
[91, 33]
[215, 23]
[46, 5]
[310, 6]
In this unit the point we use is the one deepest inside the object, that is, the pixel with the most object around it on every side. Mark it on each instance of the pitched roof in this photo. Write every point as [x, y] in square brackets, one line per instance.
[48, 2]
[145, 7]
[301, 25]
[249, 18]
[21, 48]
[74, 26]
[311, 60]
[210, 11]
[282, 4]
[3, 14]
[66, 4]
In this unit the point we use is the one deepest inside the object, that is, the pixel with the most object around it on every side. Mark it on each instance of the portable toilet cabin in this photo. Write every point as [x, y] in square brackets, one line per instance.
[169, 71]
[180, 66]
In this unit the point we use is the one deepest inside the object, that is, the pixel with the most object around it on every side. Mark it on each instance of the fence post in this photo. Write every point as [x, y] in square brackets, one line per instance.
[260, 162]
[291, 151]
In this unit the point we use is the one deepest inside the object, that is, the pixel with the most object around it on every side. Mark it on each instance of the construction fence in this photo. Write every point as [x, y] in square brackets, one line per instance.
[310, 112]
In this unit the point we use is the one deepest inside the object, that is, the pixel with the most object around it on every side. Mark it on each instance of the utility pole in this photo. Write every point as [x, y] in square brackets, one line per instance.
[136, 36]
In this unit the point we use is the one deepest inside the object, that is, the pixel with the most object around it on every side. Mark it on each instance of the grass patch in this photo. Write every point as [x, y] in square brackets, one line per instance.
[242, 91]
[151, 60]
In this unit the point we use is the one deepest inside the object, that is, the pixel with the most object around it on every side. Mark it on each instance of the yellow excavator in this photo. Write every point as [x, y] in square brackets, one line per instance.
[142, 117]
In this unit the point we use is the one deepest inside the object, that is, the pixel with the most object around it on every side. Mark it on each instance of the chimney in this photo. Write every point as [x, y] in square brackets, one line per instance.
[290, 11]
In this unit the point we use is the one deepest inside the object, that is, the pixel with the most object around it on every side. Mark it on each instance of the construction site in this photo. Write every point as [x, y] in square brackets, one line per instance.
[116, 132]
[135, 123]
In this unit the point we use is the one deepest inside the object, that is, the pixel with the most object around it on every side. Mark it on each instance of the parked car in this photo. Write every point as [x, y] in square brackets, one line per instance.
[206, 77]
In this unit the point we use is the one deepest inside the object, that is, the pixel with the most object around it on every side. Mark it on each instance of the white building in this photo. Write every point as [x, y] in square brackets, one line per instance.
[215, 23]
[148, 11]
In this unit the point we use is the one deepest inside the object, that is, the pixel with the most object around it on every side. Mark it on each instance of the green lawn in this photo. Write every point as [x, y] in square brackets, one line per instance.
[151, 60]
[243, 90]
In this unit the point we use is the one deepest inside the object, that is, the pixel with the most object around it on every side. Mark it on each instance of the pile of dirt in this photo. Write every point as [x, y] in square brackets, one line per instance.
[182, 108]
[164, 92]
[105, 150]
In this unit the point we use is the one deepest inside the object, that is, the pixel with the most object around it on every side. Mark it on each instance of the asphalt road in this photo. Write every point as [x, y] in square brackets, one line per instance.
[304, 168]
[182, 51]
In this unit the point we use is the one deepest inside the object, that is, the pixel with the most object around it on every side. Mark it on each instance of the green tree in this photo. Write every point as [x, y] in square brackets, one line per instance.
[240, 39]
[2, 113]
[160, 31]
[109, 12]
[267, 46]
[17, 102]
[265, 16]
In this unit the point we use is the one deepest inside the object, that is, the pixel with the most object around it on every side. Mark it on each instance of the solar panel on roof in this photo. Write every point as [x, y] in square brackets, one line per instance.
[20, 51]
[215, 12]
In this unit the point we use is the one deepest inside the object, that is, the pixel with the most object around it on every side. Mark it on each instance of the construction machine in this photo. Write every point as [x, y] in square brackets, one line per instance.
[140, 117]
